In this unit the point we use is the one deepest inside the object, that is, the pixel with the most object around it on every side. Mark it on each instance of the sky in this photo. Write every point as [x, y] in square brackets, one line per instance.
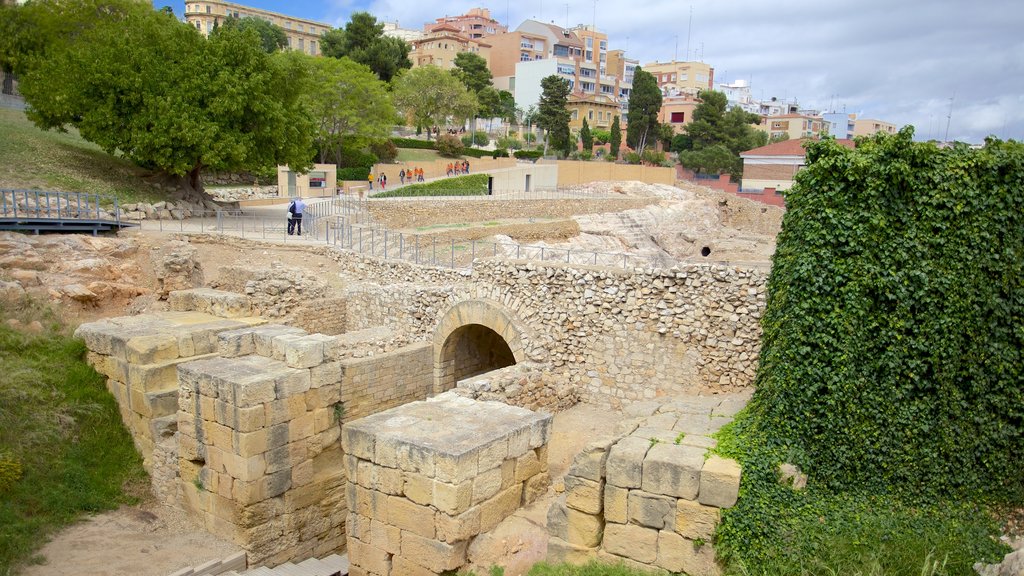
[943, 66]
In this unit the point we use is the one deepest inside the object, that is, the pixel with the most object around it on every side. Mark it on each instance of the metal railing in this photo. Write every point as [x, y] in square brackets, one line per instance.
[58, 205]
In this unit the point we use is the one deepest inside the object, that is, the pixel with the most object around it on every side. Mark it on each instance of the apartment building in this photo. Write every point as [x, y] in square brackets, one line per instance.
[775, 166]
[440, 47]
[393, 30]
[475, 24]
[675, 78]
[677, 111]
[795, 126]
[303, 35]
[869, 127]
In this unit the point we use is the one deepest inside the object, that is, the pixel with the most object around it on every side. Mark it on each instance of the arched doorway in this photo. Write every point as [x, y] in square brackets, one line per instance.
[474, 337]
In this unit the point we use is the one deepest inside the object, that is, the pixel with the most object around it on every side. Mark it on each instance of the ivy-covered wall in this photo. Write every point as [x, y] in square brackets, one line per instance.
[891, 355]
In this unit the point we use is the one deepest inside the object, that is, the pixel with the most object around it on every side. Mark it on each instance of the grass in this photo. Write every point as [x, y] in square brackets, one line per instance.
[471, 185]
[416, 155]
[62, 161]
[592, 568]
[775, 530]
[62, 429]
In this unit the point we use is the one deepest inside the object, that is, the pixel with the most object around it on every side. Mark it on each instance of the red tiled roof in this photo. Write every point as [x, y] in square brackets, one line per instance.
[788, 148]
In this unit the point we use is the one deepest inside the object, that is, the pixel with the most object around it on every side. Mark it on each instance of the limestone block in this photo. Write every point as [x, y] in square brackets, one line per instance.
[263, 337]
[719, 482]
[616, 504]
[585, 530]
[558, 519]
[673, 470]
[302, 474]
[455, 528]
[499, 507]
[368, 557]
[410, 516]
[401, 566]
[417, 459]
[326, 374]
[386, 537]
[561, 551]
[630, 541]
[527, 466]
[536, 487]
[387, 480]
[304, 352]
[369, 503]
[456, 467]
[590, 462]
[624, 466]
[677, 554]
[453, 498]
[584, 495]
[431, 554]
[291, 383]
[359, 442]
[696, 521]
[493, 454]
[154, 377]
[234, 343]
[251, 443]
[151, 349]
[651, 510]
[301, 428]
[245, 469]
[487, 484]
[418, 488]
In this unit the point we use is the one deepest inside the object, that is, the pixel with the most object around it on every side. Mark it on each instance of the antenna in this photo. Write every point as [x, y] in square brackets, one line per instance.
[675, 56]
[689, 27]
[949, 117]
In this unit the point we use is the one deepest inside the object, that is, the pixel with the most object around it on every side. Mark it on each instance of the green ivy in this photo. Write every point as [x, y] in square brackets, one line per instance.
[891, 357]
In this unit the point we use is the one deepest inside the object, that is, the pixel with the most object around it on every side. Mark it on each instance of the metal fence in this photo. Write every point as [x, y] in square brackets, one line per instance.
[58, 205]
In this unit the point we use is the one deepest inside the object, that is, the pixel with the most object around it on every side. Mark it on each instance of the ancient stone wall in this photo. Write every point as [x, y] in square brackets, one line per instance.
[649, 496]
[527, 385]
[324, 315]
[383, 381]
[426, 478]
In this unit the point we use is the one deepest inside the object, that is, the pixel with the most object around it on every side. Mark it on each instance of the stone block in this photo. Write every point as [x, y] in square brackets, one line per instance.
[493, 454]
[304, 352]
[386, 536]
[535, 487]
[629, 541]
[359, 442]
[254, 393]
[302, 473]
[418, 488]
[487, 484]
[453, 498]
[456, 468]
[527, 466]
[651, 510]
[249, 419]
[235, 343]
[696, 521]
[719, 482]
[326, 374]
[499, 507]
[417, 459]
[387, 480]
[410, 516]
[301, 428]
[584, 495]
[590, 462]
[455, 528]
[245, 468]
[368, 557]
[251, 443]
[151, 349]
[625, 462]
[558, 519]
[433, 555]
[263, 337]
[616, 504]
[678, 554]
[585, 530]
[673, 470]
[401, 566]
[292, 382]
[560, 551]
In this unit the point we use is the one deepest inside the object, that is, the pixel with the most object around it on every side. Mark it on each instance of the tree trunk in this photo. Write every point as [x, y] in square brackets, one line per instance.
[195, 181]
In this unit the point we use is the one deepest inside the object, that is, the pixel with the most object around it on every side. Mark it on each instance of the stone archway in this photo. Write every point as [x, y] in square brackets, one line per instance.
[473, 337]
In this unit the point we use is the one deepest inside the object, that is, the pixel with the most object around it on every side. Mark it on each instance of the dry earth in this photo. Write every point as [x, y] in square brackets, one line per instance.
[91, 278]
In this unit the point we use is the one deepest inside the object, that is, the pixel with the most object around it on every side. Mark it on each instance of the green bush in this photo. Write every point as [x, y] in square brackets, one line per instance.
[385, 150]
[499, 153]
[449, 146]
[655, 158]
[354, 155]
[528, 154]
[477, 153]
[632, 158]
[509, 143]
[353, 173]
[413, 143]
[480, 139]
[471, 185]
[891, 358]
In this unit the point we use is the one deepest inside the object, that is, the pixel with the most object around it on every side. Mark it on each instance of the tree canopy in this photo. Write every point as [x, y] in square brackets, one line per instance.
[142, 85]
[363, 41]
[715, 127]
[346, 100]
[429, 96]
[272, 37]
[642, 115]
[552, 114]
[586, 138]
[472, 70]
[615, 138]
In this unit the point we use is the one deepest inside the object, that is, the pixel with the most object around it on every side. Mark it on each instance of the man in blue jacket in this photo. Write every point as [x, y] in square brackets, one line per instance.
[295, 209]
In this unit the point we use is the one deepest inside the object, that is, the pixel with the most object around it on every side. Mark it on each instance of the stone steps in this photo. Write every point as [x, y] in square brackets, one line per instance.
[333, 565]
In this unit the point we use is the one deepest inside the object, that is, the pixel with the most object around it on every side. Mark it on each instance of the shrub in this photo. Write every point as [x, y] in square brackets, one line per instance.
[586, 155]
[509, 143]
[477, 153]
[357, 173]
[601, 136]
[528, 154]
[480, 139]
[385, 150]
[632, 158]
[655, 158]
[413, 143]
[471, 185]
[500, 153]
[449, 146]
[354, 155]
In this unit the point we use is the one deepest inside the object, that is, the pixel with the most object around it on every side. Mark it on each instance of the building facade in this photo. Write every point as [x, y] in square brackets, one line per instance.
[869, 127]
[440, 47]
[676, 77]
[775, 166]
[677, 111]
[475, 24]
[303, 35]
[793, 126]
[393, 30]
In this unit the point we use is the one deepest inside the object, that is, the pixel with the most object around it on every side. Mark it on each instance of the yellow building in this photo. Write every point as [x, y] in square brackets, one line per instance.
[868, 127]
[303, 35]
[682, 77]
[599, 111]
[795, 126]
[677, 111]
[439, 48]
[475, 24]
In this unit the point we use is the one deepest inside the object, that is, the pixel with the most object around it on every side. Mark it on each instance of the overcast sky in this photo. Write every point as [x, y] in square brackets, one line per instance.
[900, 61]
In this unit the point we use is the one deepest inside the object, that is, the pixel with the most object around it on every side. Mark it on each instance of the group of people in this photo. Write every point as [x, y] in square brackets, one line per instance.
[412, 175]
[295, 209]
[457, 168]
[453, 131]
[382, 180]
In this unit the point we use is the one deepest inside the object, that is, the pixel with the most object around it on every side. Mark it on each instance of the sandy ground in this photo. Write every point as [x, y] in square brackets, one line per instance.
[154, 540]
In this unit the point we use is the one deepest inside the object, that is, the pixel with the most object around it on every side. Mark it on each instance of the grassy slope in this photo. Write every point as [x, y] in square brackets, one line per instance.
[62, 426]
[34, 159]
[416, 155]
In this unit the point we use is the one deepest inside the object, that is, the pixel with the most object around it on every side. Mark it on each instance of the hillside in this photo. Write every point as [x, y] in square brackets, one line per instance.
[35, 159]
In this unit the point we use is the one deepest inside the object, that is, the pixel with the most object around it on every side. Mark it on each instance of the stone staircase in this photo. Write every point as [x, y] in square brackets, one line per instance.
[333, 565]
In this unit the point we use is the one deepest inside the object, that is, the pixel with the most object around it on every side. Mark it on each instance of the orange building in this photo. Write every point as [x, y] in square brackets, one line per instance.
[475, 24]
[441, 46]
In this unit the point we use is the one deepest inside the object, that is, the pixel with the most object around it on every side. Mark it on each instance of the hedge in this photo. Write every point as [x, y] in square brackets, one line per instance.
[471, 185]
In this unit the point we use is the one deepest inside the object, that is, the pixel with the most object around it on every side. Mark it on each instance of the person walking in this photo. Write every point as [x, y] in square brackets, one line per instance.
[383, 181]
[369, 179]
[401, 177]
[295, 210]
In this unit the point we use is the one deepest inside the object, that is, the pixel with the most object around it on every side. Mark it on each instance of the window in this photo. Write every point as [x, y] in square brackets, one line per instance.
[604, 45]
[312, 30]
[590, 42]
[302, 44]
[207, 8]
[312, 47]
[678, 117]
[566, 69]
[587, 86]
[590, 55]
[301, 28]
[575, 114]
[606, 89]
[524, 56]
[672, 78]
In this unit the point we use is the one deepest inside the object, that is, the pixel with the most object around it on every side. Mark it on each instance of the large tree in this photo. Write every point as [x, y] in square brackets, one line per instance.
[472, 70]
[552, 113]
[430, 96]
[615, 138]
[715, 127]
[347, 101]
[644, 106]
[272, 37]
[142, 85]
[363, 41]
[586, 138]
